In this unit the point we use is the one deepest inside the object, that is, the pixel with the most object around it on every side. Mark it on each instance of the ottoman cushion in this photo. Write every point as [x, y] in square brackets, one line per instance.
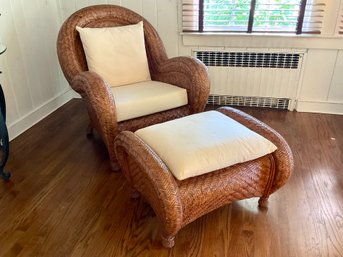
[204, 142]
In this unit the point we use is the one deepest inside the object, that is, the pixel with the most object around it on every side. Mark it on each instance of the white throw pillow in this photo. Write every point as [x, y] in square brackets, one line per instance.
[204, 142]
[117, 54]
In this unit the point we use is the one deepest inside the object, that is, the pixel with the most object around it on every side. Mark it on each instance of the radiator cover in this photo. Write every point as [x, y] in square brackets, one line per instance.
[266, 78]
[250, 59]
[250, 101]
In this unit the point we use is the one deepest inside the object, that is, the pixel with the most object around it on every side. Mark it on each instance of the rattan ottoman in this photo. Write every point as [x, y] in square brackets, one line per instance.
[179, 202]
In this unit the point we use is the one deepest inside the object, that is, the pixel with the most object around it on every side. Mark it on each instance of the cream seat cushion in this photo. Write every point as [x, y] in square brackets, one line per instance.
[147, 97]
[201, 143]
[117, 54]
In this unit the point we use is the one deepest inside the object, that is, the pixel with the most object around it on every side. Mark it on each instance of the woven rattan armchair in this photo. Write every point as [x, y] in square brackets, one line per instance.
[185, 72]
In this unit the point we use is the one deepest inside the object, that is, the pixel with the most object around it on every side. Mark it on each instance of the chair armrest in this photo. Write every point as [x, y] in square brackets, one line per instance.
[148, 174]
[188, 73]
[283, 155]
[100, 103]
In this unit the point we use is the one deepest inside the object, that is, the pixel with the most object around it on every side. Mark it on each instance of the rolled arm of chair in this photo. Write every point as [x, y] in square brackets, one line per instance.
[147, 174]
[99, 98]
[283, 155]
[188, 73]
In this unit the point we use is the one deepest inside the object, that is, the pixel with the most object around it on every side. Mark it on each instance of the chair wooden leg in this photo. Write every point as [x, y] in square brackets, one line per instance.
[89, 131]
[115, 166]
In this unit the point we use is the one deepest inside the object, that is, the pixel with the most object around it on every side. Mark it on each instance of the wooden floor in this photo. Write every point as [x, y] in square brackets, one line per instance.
[63, 200]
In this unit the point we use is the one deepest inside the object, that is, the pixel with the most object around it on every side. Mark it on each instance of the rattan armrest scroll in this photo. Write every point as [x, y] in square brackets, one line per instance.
[148, 174]
[102, 108]
[283, 155]
[188, 73]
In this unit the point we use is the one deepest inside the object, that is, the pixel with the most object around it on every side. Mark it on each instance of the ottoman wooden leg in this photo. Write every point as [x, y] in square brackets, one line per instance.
[134, 194]
[168, 241]
[263, 202]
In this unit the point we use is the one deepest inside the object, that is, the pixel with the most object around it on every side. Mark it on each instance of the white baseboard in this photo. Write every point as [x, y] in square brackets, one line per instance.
[30, 119]
[320, 107]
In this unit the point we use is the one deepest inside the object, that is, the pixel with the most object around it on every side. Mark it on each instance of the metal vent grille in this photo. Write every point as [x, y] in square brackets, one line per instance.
[249, 59]
[250, 101]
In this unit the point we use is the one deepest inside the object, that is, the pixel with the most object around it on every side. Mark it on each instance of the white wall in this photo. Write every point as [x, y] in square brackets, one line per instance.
[34, 85]
[31, 78]
[322, 85]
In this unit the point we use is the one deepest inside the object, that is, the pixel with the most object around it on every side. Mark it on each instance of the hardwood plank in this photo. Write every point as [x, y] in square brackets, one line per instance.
[63, 199]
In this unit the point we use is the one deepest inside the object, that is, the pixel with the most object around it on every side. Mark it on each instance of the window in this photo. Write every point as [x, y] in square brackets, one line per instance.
[267, 16]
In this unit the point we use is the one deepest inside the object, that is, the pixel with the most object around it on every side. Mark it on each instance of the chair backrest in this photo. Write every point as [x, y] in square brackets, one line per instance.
[69, 47]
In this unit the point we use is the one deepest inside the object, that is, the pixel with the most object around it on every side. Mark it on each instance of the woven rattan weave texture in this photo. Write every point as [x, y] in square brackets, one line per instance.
[185, 72]
[177, 203]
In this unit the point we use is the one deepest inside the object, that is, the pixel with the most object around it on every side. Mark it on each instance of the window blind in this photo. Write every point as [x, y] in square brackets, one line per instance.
[190, 15]
[284, 16]
[314, 16]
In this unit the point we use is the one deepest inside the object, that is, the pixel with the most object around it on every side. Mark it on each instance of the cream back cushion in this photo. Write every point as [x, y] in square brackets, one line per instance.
[204, 142]
[117, 54]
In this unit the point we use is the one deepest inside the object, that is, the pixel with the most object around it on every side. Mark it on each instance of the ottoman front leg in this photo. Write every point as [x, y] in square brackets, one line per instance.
[149, 176]
[263, 202]
[167, 240]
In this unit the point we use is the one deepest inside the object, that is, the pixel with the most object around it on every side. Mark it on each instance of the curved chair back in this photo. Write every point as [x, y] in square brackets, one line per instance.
[69, 47]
